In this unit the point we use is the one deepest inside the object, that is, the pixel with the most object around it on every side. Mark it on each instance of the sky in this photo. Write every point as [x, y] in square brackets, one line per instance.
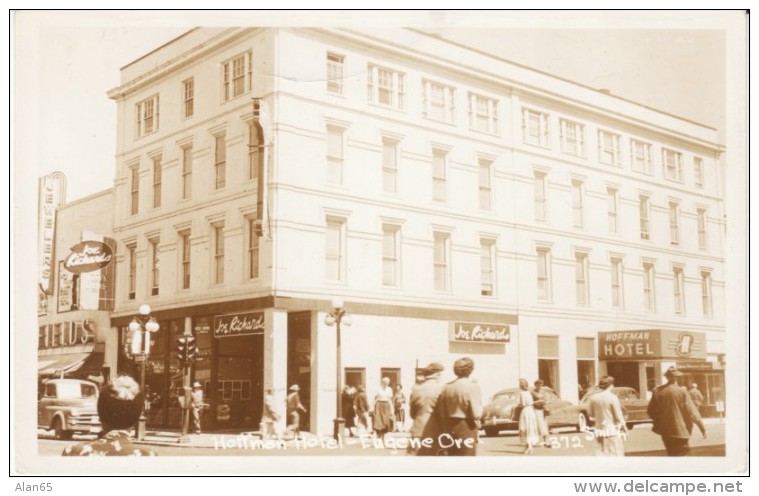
[65, 62]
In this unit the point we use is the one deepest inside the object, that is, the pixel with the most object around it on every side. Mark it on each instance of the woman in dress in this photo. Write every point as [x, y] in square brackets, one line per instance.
[383, 409]
[528, 421]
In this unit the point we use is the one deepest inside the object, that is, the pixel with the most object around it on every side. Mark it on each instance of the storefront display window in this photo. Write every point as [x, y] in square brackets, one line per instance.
[548, 361]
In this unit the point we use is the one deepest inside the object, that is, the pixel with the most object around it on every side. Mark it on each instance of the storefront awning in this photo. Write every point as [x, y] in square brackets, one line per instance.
[68, 363]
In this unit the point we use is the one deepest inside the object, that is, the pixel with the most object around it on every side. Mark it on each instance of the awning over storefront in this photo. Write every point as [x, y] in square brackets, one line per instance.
[652, 345]
[69, 363]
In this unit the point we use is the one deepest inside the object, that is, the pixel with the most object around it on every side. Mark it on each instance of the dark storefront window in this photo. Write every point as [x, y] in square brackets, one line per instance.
[586, 364]
[239, 381]
[548, 361]
[299, 359]
[355, 377]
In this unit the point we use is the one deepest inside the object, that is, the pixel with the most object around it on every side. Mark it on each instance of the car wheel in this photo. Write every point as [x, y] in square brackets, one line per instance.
[491, 431]
[582, 422]
[59, 432]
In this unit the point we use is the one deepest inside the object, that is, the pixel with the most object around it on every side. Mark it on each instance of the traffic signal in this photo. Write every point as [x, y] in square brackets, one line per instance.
[186, 349]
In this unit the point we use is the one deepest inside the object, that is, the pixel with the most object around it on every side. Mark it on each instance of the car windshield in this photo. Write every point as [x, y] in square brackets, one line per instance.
[74, 390]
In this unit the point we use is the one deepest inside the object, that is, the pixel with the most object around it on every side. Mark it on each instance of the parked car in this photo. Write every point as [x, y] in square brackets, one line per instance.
[68, 406]
[502, 413]
[634, 408]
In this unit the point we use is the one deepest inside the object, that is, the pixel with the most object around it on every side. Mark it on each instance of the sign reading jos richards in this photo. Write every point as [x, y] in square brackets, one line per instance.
[474, 332]
[238, 324]
[653, 344]
[88, 256]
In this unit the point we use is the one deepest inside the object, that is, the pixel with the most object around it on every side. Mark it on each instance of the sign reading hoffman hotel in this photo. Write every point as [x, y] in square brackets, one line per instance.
[238, 324]
[653, 344]
[475, 332]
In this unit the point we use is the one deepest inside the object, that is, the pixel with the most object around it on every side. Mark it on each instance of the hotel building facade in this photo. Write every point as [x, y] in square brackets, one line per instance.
[459, 204]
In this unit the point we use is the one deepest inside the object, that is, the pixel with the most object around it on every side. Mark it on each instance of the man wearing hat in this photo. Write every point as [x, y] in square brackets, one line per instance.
[673, 412]
[294, 407]
[421, 405]
[197, 405]
[606, 412]
[459, 409]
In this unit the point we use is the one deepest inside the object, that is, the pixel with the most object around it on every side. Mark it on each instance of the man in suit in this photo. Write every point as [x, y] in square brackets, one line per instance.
[421, 405]
[674, 414]
[459, 409]
[606, 411]
[294, 409]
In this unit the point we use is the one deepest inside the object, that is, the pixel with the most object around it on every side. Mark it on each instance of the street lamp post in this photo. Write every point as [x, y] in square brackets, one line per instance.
[336, 317]
[141, 327]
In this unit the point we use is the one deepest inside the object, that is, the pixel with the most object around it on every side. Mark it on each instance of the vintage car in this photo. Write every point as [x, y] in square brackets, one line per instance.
[502, 414]
[68, 406]
[634, 408]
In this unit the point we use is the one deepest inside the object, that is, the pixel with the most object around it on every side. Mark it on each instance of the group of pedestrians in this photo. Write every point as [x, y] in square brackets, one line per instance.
[446, 418]
[533, 428]
[388, 414]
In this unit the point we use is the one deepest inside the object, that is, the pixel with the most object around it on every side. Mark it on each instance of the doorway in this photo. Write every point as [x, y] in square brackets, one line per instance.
[238, 393]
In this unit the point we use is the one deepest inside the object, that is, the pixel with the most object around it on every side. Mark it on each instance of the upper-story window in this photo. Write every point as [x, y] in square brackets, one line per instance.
[485, 180]
[255, 149]
[188, 89]
[157, 179]
[572, 138]
[673, 165]
[612, 203]
[386, 87]
[218, 253]
[582, 289]
[541, 210]
[132, 271]
[439, 174]
[701, 219]
[237, 76]
[334, 249]
[678, 280]
[617, 283]
[146, 113]
[134, 188]
[390, 255]
[706, 293]
[186, 172]
[389, 165]
[535, 129]
[609, 148]
[335, 154]
[644, 209]
[487, 269]
[438, 101]
[649, 287]
[698, 172]
[578, 203]
[641, 156]
[335, 65]
[185, 259]
[441, 261]
[220, 161]
[543, 268]
[483, 114]
[674, 223]
[253, 249]
[154, 266]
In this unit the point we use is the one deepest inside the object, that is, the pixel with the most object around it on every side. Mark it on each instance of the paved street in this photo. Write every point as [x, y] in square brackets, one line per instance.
[641, 442]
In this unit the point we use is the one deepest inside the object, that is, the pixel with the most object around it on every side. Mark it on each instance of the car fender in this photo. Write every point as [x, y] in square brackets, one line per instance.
[62, 416]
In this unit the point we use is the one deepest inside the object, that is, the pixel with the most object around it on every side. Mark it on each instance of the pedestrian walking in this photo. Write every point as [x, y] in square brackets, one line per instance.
[529, 435]
[382, 418]
[422, 403]
[119, 406]
[399, 407]
[696, 396]
[349, 409]
[197, 405]
[459, 410]
[539, 403]
[269, 416]
[674, 414]
[606, 410]
[294, 409]
[362, 410]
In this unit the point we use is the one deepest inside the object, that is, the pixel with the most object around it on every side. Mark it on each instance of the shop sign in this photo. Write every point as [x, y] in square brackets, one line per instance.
[652, 344]
[201, 325]
[52, 193]
[238, 324]
[475, 332]
[65, 334]
[88, 256]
